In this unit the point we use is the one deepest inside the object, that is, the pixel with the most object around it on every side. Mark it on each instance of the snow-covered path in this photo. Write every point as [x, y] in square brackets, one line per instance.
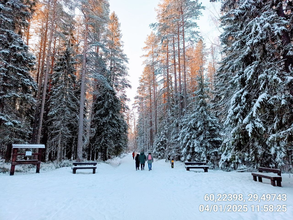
[118, 192]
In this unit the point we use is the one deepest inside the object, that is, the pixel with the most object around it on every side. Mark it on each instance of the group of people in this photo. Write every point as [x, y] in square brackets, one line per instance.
[140, 160]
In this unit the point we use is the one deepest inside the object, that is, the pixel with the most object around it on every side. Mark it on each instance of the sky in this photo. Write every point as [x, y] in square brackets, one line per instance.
[135, 16]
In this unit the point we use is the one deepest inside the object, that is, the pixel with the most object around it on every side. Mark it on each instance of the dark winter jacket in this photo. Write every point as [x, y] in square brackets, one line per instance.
[137, 160]
[142, 158]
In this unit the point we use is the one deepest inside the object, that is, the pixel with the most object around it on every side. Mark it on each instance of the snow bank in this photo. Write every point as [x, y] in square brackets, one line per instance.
[118, 192]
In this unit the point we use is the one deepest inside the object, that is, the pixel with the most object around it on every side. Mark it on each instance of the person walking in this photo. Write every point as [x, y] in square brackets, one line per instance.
[150, 161]
[137, 162]
[172, 163]
[133, 154]
[142, 159]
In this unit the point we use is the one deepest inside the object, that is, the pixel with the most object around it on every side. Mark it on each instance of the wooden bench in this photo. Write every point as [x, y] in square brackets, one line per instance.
[196, 165]
[28, 153]
[84, 165]
[270, 173]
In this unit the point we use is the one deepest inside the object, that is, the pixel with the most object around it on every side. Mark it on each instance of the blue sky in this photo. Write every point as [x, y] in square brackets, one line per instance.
[135, 16]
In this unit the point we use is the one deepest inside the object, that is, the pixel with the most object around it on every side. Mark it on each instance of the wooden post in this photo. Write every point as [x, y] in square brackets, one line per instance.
[14, 157]
[38, 166]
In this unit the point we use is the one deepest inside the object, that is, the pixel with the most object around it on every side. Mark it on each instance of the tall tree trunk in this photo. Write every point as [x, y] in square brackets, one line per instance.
[184, 60]
[42, 65]
[42, 41]
[59, 148]
[168, 102]
[175, 70]
[151, 118]
[155, 95]
[179, 70]
[168, 80]
[52, 31]
[40, 76]
[28, 32]
[82, 93]
[213, 70]
[52, 63]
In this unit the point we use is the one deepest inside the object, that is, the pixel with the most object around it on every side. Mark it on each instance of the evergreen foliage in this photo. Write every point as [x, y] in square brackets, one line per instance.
[117, 60]
[252, 88]
[162, 142]
[16, 84]
[108, 127]
[63, 106]
[165, 83]
[200, 132]
[253, 80]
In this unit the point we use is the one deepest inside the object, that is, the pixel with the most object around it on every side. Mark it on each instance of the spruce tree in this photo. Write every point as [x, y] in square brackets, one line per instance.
[253, 81]
[200, 133]
[63, 106]
[96, 16]
[162, 142]
[108, 127]
[16, 84]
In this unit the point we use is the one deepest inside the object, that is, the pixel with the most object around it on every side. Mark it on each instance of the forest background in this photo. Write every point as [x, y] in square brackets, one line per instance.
[63, 82]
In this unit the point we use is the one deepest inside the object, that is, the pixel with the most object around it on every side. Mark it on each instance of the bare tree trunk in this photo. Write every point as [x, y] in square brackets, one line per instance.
[73, 151]
[143, 123]
[155, 95]
[59, 150]
[179, 70]
[175, 72]
[151, 117]
[39, 59]
[168, 101]
[28, 32]
[44, 54]
[213, 70]
[168, 80]
[47, 72]
[40, 75]
[82, 94]
[184, 61]
[52, 62]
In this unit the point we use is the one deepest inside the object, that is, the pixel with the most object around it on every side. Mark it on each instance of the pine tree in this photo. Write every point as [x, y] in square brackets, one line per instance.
[16, 84]
[197, 59]
[108, 127]
[164, 97]
[117, 60]
[63, 106]
[200, 133]
[94, 70]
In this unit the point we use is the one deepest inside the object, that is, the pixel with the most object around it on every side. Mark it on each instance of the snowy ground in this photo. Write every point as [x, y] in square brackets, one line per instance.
[118, 192]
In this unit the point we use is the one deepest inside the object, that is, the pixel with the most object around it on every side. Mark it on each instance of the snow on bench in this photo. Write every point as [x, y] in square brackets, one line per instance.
[84, 165]
[270, 173]
[196, 165]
